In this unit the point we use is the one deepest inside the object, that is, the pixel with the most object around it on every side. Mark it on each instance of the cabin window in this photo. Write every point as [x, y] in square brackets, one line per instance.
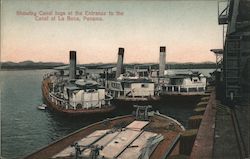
[183, 90]
[122, 93]
[195, 80]
[144, 85]
[176, 81]
[201, 89]
[115, 85]
[78, 106]
[164, 88]
[170, 88]
[192, 89]
[90, 90]
[116, 94]
[127, 85]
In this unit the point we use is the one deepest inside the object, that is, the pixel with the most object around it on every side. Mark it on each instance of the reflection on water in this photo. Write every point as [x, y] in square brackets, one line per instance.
[26, 129]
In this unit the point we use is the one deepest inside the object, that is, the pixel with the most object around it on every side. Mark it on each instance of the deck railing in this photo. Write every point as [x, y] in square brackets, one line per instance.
[179, 89]
[58, 101]
[138, 93]
[47, 75]
[68, 105]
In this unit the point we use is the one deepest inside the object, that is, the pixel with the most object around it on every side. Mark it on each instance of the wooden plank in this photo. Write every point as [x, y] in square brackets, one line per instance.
[134, 150]
[119, 143]
[137, 125]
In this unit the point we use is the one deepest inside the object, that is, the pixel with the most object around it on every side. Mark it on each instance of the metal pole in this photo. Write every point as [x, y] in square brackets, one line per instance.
[223, 34]
[0, 125]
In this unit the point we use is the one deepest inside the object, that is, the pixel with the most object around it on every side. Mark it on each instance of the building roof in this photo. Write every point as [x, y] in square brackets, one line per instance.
[83, 82]
[72, 87]
[186, 74]
[135, 80]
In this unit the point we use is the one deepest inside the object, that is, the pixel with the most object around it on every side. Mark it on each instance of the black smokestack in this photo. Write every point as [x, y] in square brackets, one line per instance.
[162, 60]
[72, 64]
[119, 67]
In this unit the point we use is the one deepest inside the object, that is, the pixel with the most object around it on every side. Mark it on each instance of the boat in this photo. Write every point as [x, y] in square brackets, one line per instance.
[129, 87]
[132, 89]
[145, 85]
[176, 82]
[184, 83]
[42, 107]
[75, 93]
[145, 134]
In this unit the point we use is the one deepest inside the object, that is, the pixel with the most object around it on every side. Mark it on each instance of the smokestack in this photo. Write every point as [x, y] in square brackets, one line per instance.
[72, 65]
[162, 61]
[119, 67]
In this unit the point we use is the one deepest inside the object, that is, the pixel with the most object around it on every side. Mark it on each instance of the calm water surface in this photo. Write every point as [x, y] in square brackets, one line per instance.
[25, 129]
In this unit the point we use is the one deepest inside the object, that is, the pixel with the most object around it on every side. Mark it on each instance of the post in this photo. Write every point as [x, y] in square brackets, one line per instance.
[106, 78]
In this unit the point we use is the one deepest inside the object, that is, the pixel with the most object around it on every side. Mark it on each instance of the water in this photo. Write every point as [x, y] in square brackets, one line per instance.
[25, 129]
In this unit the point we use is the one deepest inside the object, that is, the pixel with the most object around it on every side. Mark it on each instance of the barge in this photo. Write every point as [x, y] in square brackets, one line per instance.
[142, 135]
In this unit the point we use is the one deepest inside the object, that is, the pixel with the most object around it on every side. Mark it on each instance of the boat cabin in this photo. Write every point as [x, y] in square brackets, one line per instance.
[189, 83]
[63, 71]
[129, 88]
[85, 94]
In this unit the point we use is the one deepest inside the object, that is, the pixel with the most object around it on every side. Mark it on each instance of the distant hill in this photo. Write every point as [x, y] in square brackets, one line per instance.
[49, 65]
[30, 65]
[203, 65]
[174, 65]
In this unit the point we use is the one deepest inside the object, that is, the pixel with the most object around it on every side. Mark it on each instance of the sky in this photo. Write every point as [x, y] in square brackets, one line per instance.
[188, 29]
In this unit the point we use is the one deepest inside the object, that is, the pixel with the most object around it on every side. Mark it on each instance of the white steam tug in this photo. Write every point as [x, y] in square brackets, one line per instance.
[74, 94]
